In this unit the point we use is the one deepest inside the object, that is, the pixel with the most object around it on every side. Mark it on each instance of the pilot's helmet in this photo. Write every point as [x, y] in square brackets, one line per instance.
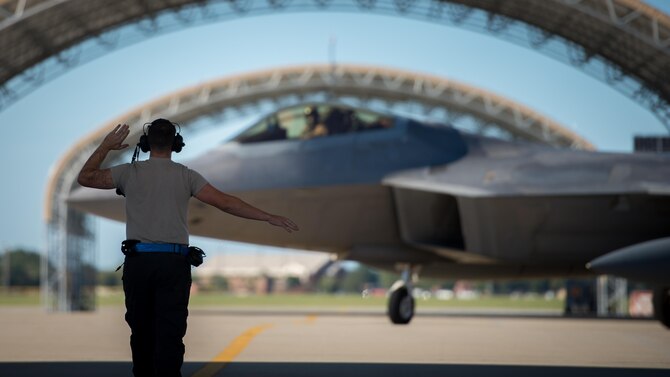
[311, 112]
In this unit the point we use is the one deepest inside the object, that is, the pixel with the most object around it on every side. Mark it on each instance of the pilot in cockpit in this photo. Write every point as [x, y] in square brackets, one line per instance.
[314, 127]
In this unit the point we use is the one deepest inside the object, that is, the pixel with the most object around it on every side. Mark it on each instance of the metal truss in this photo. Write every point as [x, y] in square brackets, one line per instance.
[66, 282]
[611, 296]
[624, 43]
[68, 270]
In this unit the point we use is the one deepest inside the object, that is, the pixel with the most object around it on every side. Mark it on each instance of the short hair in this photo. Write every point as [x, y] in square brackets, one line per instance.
[161, 134]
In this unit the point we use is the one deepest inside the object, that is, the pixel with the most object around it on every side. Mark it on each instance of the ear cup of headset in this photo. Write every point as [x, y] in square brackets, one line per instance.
[177, 143]
[144, 143]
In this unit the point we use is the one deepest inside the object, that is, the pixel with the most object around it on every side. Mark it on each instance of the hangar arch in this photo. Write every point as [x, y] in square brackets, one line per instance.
[70, 234]
[625, 43]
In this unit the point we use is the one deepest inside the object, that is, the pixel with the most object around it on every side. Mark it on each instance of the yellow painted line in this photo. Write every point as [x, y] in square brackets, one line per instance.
[230, 353]
[239, 344]
[309, 320]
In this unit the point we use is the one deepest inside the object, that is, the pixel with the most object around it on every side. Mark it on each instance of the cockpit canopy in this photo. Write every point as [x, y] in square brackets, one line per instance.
[310, 121]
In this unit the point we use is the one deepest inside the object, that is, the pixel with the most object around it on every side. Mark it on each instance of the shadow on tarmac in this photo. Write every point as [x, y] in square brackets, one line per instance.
[257, 369]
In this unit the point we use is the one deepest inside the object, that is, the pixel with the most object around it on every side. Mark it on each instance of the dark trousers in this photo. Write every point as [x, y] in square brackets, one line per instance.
[157, 287]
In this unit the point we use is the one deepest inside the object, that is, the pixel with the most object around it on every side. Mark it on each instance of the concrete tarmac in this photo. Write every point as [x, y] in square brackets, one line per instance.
[254, 342]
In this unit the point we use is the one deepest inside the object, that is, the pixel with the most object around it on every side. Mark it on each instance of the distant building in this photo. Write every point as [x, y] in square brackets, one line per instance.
[265, 272]
[657, 144]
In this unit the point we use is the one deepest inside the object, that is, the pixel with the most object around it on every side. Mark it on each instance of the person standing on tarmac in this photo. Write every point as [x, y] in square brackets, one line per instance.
[157, 273]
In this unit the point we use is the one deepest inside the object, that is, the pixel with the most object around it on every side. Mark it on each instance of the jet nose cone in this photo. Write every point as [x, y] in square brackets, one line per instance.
[648, 262]
[604, 264]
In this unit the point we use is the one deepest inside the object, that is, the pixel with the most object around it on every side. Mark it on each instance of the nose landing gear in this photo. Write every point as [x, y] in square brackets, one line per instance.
[401, 301]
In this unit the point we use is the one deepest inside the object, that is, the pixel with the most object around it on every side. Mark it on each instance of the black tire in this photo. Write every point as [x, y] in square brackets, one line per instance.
[401, 306]
[662, 305]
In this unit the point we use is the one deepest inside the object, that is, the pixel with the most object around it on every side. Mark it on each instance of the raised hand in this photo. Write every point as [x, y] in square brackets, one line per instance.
[114, 139]
[283, 222]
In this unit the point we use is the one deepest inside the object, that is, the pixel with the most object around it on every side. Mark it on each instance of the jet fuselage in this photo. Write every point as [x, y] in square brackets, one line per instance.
[457, 204]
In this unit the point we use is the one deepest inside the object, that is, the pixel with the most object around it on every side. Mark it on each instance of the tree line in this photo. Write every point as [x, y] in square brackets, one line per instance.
[21, 268]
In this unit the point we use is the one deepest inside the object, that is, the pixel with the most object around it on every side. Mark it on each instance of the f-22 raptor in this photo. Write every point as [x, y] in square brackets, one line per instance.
[404, 195]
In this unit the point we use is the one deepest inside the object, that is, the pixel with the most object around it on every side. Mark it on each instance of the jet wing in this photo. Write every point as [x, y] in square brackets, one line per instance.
[541, 172]
[532, 206]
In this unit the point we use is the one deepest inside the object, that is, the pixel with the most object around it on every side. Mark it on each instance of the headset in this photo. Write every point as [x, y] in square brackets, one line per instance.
[177, 143]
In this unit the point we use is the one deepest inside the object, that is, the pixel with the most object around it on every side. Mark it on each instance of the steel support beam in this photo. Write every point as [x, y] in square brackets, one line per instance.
[598, 36]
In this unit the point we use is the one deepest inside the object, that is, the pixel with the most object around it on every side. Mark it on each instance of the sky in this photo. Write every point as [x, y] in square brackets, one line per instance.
[42, 126]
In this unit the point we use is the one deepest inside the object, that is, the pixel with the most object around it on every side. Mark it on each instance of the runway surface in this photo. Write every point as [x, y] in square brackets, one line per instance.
[252, 342]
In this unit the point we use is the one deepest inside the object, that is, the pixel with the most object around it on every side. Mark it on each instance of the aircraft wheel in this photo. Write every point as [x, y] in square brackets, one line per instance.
[662, 305]
[401, 306]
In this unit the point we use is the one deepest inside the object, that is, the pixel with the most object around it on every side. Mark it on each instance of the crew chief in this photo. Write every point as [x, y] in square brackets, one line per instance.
[157, 278]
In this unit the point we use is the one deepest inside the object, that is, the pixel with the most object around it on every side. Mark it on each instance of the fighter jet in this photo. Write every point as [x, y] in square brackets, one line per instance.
[419, 198]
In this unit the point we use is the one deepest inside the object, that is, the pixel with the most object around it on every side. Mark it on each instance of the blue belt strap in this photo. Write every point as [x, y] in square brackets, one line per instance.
[162, 248]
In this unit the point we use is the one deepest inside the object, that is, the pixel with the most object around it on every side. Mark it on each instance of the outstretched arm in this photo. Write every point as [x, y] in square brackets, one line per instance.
[91, 175]
[236, 206]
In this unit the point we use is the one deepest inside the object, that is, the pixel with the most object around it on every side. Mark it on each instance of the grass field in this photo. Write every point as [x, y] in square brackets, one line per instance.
[28, 298]
[312, 300]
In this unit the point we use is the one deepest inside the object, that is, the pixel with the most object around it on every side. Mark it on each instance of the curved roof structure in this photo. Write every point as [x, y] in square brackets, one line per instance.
[631, 37]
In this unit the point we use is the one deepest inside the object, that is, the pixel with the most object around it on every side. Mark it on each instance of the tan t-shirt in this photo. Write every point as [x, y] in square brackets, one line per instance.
[157, 194]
